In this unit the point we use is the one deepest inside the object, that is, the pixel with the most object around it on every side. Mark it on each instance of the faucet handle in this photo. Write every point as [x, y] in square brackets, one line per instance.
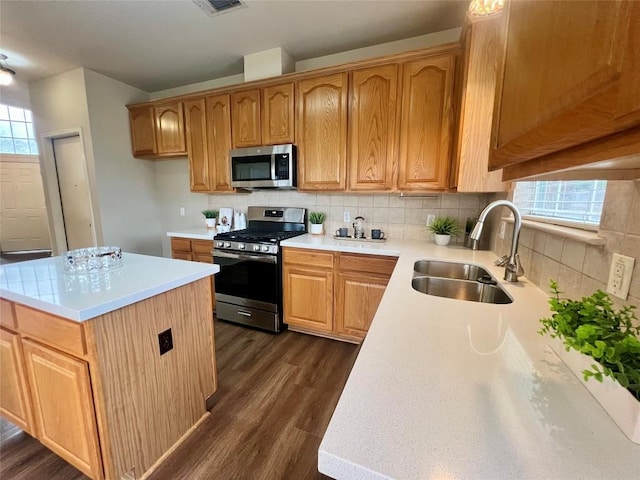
[502, 261]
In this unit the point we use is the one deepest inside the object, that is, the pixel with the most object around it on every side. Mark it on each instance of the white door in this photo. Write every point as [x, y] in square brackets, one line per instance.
[23, 213]
[73, 182]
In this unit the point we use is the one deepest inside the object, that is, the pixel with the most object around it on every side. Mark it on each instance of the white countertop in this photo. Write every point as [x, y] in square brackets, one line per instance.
[449, 389]
[197, 233]
[43, 284]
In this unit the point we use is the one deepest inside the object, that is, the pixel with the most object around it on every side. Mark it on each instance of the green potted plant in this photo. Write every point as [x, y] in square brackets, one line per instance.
[210, 217]
[316, 219]
[443, 228]
[598, 342]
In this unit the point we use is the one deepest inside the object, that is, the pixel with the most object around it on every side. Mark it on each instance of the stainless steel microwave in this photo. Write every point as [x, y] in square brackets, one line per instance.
[273, 166]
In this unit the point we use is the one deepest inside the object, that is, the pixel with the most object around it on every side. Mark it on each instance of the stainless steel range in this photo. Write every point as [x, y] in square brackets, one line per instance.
[249, 284]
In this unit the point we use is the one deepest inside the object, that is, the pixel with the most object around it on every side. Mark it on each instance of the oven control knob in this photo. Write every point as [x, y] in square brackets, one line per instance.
[219, 244]
[265, 248]
[256, 248]
[241, 246]
[227, 245]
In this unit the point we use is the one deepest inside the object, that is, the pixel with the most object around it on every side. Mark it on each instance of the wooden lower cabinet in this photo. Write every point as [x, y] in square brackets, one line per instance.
[67, 425]
[331, 293]
[14, 396]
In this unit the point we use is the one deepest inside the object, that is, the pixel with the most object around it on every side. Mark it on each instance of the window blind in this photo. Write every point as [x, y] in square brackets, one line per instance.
[574, 202]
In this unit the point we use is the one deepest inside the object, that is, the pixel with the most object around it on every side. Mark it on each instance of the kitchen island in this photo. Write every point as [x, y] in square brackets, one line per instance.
[111, 370]
[445, 388]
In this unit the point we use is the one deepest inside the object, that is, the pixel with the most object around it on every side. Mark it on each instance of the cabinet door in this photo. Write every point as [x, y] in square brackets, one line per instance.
[143, 133]
[246, 118]
[358, 298]
[426, 125]
[170, 129]
[196, 126]
[308, 298]
[372, 128]
[15, 404]
[278, 114]
[63, 406]
[219, 140]
[571, 75]
[182, 255]
[322, 132]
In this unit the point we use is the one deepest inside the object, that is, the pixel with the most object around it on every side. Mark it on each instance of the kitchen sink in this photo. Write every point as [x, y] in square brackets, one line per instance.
[469, 290]
[460, 271]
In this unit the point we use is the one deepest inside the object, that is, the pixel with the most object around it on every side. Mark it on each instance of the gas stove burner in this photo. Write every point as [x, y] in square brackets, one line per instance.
[256, 236]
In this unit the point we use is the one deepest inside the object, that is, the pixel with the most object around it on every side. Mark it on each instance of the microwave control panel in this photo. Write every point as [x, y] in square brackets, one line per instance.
[282, 166]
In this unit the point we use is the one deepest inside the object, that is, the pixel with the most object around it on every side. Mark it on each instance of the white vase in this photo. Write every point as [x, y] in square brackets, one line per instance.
[442, 239]
[316, 229]
[210, 222]
[617, 401]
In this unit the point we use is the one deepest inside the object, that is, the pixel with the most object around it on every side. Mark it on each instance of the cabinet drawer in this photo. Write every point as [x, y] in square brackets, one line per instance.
[368, 263]
[308, 258]
[202, 257]
[181, 256]
[7, 316]
[202, 246]
[55, 331]
[181, 244]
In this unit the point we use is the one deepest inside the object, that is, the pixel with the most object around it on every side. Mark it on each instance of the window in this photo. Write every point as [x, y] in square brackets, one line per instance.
[575, 203]
[16, 131]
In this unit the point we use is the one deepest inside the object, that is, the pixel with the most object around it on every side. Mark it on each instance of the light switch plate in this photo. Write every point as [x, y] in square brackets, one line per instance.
[430, 219]
[620, 275]
[346, 217]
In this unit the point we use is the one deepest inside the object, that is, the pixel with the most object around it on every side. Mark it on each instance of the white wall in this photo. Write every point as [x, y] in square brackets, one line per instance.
[16, 94]
[126, 186]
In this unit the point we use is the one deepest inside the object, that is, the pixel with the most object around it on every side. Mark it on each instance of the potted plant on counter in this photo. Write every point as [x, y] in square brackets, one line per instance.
[443, 228]
[210, 217]
[316, 219]
[598, 342]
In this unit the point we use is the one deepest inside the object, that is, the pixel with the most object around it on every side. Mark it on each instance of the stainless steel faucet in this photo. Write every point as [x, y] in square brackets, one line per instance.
[513, 267]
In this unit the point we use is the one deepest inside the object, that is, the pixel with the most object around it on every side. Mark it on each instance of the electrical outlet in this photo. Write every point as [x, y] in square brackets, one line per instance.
[347, 217]
[165, 341]
[430, 219]
[620, 275]
[182, 211]
[503, 227]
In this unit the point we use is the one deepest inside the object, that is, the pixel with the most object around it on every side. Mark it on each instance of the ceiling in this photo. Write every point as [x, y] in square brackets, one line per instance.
[154, 45]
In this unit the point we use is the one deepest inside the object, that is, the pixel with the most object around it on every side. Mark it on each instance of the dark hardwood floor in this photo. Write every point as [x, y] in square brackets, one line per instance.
[276, 394]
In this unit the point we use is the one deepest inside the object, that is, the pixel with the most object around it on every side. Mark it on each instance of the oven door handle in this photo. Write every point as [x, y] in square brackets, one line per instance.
[246, 256]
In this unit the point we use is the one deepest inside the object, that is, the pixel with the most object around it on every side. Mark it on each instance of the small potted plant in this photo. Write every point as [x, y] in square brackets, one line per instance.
[316, 219]
[443, 228]
[210, 217]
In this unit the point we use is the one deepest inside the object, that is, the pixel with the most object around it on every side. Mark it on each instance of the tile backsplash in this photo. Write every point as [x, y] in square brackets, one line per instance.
[398, 217]
[580, 269]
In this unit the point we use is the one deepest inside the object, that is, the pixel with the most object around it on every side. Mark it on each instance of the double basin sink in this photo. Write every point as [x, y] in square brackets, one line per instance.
[460, 281]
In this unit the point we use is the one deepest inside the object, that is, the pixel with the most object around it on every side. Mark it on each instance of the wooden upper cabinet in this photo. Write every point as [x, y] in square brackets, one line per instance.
[14, 399]
[373, 128]
[278, 114]
[245, 116]
[219, 140]
[322, 132]
[196, 126]
[143, 132]
[571, 75]
[426, 124]
[169, 123]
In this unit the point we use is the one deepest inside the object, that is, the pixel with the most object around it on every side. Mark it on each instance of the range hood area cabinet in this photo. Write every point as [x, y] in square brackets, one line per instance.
[569, 93]
[157, 130]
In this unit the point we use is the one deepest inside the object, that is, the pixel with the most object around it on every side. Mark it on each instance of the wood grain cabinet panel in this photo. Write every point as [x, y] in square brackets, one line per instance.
[196, 126]
[426, 124]
[245, 117]
[58, 332]
[358, 298]
[7, 314]
[570, 76]
[15, 402]
[143, 132]
[67, 425]
[195, 251]
[322, 132]
[278, 109]
[308, 297]
[169, 122]
[219, 140]
[372, 128]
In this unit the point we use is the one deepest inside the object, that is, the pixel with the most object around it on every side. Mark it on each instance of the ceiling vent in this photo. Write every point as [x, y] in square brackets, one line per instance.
[217, 7]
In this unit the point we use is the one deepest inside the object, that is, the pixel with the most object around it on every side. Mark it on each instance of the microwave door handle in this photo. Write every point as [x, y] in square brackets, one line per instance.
[273, 167]
[245, 256]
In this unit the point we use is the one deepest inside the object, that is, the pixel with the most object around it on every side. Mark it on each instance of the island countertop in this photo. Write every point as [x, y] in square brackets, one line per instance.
[43, 284]
[445, 388]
